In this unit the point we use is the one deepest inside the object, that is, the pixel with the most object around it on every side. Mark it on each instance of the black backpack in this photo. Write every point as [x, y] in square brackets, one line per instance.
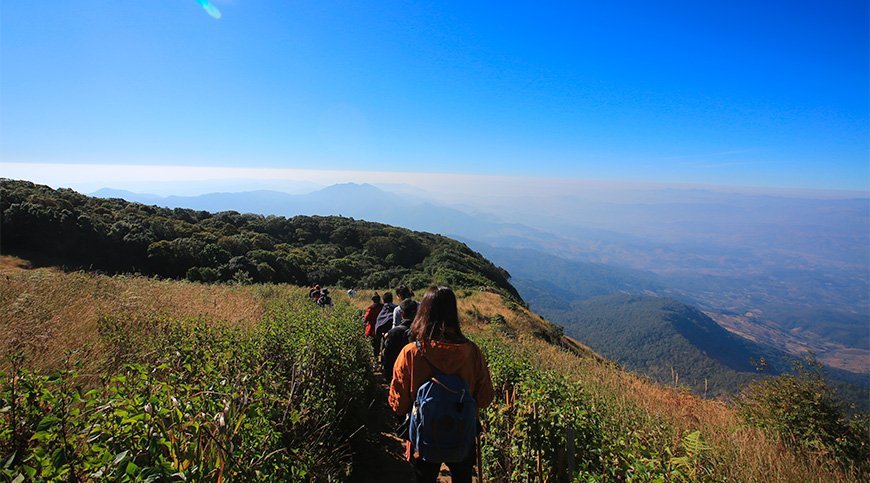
[385, 320]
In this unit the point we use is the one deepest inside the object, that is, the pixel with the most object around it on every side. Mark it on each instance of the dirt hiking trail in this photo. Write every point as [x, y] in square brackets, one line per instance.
[380, 456]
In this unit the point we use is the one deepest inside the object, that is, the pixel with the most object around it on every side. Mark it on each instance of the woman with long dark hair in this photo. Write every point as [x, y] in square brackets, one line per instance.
[438, 364]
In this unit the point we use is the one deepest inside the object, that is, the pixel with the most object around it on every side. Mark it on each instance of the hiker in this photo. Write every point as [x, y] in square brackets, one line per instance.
[438, 375]
[324, 300]
[398, 337]
[404, 293]
[314, 292]
[385, 320]
[370, 319]
[351, 293]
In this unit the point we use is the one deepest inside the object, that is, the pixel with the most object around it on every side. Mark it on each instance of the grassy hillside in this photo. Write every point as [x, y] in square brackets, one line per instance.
[62, 227]
[242, 383]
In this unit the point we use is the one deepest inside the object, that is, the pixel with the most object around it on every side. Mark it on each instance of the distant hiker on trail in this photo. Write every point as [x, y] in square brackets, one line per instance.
[398, 337]
[314, 292]
[404, 293]
[370, 319]
[324, 300]
[441, 376]
[351, 293]
[385, 320]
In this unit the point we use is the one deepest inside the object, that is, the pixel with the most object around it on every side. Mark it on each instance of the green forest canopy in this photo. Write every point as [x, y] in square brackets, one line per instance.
[67, 228]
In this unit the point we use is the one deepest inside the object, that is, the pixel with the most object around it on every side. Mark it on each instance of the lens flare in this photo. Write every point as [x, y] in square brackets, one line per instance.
[209, 8]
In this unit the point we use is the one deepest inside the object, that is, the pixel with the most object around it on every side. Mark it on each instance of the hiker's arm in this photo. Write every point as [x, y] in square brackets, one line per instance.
[397, 316]
[400, 387]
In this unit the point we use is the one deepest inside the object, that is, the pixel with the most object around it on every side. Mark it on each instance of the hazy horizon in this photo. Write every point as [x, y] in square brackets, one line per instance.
[181, 180]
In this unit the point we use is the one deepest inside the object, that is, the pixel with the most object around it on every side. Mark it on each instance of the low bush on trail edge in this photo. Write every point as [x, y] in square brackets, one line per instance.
[189, 400]
[804, 411]
[544, 427]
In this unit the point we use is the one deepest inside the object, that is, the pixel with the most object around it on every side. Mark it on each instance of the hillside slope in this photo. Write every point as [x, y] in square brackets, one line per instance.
[233, 365]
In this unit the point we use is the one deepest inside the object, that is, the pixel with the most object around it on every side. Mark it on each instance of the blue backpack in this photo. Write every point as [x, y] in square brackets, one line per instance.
[443, 419]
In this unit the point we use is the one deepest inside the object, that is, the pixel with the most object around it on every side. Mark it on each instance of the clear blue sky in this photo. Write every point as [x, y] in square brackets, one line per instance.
[763, 93]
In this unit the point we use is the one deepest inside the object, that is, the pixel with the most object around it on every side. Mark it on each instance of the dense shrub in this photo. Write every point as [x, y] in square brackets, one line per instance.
[543, 426]
[190, 400]
[803, 409]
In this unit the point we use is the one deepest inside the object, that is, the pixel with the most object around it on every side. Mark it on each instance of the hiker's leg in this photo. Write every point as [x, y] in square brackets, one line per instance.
[462, 471]
[380, 343]
[425, 471]
[375, 346]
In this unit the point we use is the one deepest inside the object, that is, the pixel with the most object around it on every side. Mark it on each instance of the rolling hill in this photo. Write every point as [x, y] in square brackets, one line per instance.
[675, 343]
[636, 318]
[669, 341]
[63, 227]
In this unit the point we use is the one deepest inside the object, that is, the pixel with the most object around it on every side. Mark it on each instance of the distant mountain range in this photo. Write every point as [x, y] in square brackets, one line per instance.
[362, 201]
[566, 281]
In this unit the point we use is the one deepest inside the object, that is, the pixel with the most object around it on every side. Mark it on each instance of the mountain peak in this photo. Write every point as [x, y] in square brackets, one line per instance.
[352, 188]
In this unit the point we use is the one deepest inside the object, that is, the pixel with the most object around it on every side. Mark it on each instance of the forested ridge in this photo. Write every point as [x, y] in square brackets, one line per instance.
[63, 227]
[674, 343]
[668, 341]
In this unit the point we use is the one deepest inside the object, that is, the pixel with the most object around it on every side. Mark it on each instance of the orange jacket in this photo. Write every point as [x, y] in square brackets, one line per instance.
[412, 369]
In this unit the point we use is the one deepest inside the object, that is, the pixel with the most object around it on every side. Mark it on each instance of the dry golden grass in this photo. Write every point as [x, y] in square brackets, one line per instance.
[45, 312]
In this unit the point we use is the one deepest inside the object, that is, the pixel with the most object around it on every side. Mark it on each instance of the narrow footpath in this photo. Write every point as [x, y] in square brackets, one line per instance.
[380, 457]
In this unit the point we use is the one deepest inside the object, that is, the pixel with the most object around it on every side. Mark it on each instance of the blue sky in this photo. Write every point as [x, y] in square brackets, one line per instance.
[741, 93]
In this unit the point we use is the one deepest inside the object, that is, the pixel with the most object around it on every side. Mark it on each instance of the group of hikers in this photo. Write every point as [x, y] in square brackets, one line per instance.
[438, 379]
[320, 296]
